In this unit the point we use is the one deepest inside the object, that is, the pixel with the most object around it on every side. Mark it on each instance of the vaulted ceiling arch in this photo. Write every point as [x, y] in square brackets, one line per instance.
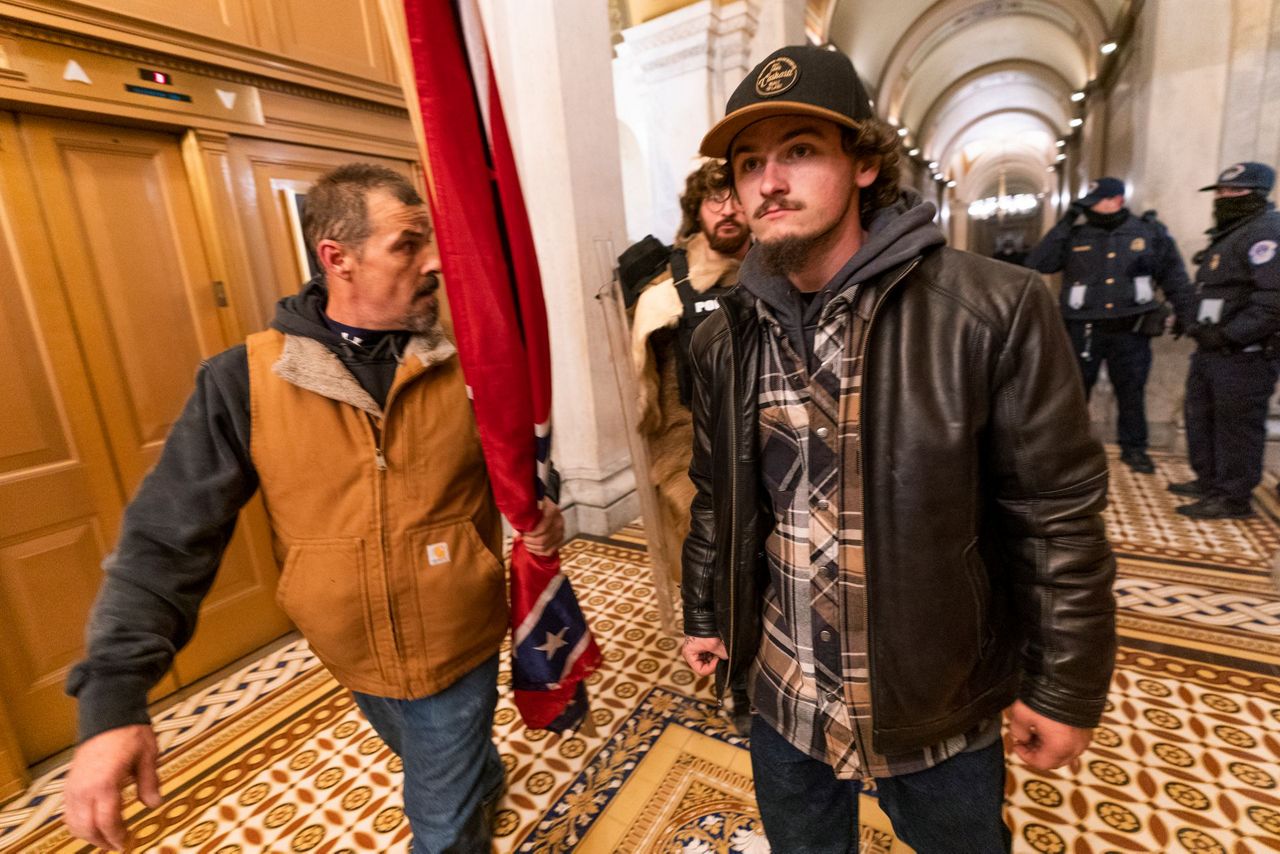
[948, 20]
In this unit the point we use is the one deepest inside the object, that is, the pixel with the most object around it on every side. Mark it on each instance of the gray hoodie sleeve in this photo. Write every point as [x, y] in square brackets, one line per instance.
[171, 541]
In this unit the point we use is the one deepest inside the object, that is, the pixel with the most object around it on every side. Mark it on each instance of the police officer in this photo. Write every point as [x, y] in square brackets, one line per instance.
[1233, 371]
[1112, 263]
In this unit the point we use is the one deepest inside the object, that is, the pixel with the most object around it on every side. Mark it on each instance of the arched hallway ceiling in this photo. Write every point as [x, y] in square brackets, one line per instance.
[983, 86]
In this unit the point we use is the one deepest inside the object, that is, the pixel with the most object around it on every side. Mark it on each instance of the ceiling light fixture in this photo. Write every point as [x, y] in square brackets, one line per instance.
[914, 152]
[1076, 122]
[1108, 48]
[1077, 97]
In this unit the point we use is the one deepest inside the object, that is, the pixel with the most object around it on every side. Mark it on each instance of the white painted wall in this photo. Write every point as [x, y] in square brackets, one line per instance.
[559, 103]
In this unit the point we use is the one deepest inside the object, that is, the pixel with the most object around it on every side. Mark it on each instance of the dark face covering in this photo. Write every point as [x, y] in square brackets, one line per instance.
[1107, 221]
[1229, 210]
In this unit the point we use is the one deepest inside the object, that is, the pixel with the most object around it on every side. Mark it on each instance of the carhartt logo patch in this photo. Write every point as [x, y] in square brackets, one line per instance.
[438, 553]
[1215, 261]
[777, 77]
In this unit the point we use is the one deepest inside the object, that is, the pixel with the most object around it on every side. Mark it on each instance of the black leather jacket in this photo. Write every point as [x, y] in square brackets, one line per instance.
[988, 570]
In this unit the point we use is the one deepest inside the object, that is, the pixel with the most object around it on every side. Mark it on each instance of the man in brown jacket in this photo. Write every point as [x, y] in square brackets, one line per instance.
[713, 238]
[351, 416]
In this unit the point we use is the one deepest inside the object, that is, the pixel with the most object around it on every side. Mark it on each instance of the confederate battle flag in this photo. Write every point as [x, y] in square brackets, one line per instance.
[495, 295]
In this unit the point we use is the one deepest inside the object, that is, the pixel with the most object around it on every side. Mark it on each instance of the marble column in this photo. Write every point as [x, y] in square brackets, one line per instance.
[673, 75]
[559, 104]
[1251, 113]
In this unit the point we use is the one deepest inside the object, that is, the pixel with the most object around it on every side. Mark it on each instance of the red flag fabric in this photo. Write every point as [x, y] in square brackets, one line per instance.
[495, 296]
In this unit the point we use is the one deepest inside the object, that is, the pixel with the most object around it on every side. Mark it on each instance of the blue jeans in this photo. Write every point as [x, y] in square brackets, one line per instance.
[452, 774]
[954, 807]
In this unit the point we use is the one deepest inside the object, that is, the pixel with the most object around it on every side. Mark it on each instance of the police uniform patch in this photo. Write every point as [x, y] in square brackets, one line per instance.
[1231, 172]
[777, 77]
[1138, 244]
[1262, 252]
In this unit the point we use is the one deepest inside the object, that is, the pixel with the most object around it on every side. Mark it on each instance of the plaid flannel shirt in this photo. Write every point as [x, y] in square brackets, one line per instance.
[810, 680]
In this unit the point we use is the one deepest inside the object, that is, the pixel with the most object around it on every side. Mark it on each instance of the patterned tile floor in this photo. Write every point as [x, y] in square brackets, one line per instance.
[276, 758]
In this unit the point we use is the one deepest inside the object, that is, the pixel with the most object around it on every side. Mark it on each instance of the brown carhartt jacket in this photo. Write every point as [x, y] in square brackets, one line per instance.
[383, 522]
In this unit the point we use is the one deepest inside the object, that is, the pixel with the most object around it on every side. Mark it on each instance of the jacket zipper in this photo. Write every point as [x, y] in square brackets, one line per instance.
[380, 463]
[866, 564]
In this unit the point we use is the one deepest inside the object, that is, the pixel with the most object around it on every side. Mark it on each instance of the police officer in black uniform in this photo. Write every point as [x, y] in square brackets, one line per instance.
[1112, 263]
[1235, 322]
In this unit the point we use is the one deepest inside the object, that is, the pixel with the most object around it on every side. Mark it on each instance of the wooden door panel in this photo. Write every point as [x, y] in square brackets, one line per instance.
[137, 276]
[342, 35]
[59, 498]
[134, 287]
[219, 19]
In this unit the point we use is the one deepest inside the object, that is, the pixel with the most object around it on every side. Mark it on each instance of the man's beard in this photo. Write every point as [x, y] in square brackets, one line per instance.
[789, 254]
[728, 244]
[425, 320]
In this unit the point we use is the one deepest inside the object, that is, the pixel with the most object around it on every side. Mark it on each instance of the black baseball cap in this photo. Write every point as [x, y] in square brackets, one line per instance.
[1245, 176]
[1103, 188]
[800, 80]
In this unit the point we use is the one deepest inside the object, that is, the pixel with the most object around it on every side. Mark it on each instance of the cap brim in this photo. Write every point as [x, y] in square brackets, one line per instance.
[1089, 200]
[717, 141]
[1235, 187]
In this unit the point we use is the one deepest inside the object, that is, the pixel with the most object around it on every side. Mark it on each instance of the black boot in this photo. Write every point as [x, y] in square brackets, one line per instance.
[1217, 507]
[1137, 459]
[1194, 488]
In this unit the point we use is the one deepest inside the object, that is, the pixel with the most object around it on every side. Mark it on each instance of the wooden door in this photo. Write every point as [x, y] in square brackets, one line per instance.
[60, 502]
[130, 263]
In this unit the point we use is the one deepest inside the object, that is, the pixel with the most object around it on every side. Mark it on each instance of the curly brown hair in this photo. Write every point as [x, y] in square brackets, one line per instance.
[708, 179]
[871, 139]
[874, 139]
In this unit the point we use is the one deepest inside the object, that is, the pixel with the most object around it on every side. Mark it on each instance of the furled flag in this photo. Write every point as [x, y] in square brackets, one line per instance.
[495, 295]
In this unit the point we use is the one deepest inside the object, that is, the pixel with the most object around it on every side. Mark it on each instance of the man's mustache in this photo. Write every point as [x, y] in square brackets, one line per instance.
[430, 285]
[777, 204]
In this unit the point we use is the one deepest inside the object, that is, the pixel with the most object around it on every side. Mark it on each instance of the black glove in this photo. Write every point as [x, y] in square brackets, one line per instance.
[1075, 210]
[1210, 337]
[1179, 328]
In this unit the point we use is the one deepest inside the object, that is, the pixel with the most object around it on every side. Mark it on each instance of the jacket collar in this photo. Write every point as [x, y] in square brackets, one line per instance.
[739, 305]
[310, 365]
[707, 268]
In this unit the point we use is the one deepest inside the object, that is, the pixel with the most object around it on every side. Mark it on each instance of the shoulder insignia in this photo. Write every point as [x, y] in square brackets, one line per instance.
[1262, 252]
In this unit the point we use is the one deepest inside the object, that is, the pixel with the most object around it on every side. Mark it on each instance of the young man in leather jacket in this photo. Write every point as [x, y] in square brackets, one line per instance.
[896, 532]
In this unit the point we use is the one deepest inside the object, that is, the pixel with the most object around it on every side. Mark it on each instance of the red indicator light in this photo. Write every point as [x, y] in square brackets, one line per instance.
[155, 76]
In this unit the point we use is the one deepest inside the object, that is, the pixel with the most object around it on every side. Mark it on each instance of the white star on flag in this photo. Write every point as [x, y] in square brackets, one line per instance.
[554, 642]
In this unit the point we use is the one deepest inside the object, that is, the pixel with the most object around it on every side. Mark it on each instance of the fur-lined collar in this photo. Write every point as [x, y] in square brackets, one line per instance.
[312, 366]
[659, 307]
